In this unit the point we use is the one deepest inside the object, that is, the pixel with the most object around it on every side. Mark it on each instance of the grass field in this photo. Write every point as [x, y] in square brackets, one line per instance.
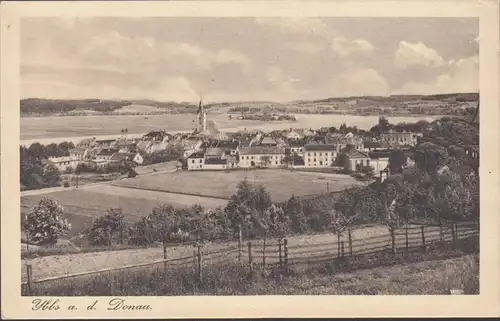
[427, 275]
[83, 205]
[280, 183]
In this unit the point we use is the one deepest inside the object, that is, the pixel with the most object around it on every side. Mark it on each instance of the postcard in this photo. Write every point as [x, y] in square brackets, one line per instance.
[190, 159]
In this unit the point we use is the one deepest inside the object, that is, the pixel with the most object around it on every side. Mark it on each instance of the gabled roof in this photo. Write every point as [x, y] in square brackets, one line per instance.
[198, 154]
[214, 152]
[225, 144]
[297, 143]
[354, 153]
[261, 150]
[268, 141]
[77, 150]
[320, 147]
[107, 152]
[122, 156]
[215, 161]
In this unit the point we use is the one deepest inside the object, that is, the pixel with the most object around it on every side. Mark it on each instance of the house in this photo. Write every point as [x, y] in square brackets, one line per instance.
[342, 141]
[79, 153]
[400, 138]
[354, 159]
[268, 141]
[297, 146]
[319, 155]
[261, 156]
[370, 146]
[105, 154]
[143, 145]
[214, 153]
[156, 136]
[131, 157]
[126, 146]
[215, 163]
[65, 163]
[317, 140]
[196, 160]
[105, 143]
[87, 143]
[229, 145]
[379, 162]
[156, 146]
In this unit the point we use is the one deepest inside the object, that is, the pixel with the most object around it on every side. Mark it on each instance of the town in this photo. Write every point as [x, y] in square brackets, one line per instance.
[347, 150]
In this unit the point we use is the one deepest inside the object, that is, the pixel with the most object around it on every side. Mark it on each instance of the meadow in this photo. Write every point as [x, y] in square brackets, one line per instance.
[83, 205]
[282, 184]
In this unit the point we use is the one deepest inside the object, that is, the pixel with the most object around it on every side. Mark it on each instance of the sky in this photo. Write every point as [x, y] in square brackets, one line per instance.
[238, 59]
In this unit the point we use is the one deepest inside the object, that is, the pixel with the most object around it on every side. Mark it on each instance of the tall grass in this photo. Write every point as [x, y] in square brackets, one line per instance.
[434, 272]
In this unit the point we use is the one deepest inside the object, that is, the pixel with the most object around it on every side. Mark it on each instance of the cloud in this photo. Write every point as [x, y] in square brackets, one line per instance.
[344, 47]
[409, 54]
[461, 76]
[166, 88]
[297, 25]
[361, 82]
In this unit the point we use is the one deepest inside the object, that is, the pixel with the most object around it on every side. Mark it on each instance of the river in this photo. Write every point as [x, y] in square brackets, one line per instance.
[75, 128]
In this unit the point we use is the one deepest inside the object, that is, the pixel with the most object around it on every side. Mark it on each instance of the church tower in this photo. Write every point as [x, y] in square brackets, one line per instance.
[202, 117]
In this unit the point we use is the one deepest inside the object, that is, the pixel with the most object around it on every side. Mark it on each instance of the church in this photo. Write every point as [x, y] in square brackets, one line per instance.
[204, 128]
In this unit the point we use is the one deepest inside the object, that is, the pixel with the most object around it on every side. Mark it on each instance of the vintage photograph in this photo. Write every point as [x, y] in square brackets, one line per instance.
[226, 156]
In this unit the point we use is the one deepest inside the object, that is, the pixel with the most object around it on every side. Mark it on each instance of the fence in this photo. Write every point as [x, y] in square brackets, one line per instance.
[286, 252]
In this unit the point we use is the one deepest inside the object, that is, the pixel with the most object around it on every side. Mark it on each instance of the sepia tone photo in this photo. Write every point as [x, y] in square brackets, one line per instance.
[185, 156]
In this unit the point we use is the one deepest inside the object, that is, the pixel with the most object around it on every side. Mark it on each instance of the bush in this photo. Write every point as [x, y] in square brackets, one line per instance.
[66, 184]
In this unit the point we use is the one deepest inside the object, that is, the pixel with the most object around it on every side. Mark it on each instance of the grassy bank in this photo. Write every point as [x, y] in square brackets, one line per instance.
[435, 272]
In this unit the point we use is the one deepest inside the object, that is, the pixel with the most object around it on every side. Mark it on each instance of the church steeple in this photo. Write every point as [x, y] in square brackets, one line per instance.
[202, 117]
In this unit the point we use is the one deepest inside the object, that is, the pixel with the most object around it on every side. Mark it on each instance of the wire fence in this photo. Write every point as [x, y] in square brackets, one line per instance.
[280, 253]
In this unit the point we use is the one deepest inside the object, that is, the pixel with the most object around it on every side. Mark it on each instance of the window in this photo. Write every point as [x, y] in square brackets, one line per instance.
[320, 154]
[367, 162]
[321, 162]
[308, 154]
[192, 161]
[276, 162]
[315, 160]
[314, 154]
[201, 160]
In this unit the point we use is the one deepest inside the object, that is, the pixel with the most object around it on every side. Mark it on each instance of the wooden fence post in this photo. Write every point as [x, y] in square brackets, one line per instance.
[453, 236]
[393, 240]
[285, 245]
[195, 259]
[250, 263]
[441, 236]
[342, 247]
[111, 283]
[456, 231]
[279, 250]
[350, 241]
[200, 263]
[423, 238]
[264, 250]
[406, 239]
[164, 258]
[240, 241]
[30, 279]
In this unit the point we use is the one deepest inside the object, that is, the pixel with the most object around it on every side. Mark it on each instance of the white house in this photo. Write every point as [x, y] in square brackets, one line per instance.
[79, 153]
[105, 154]
[195, 161]
[400, 138]
[64, 163]
[294, 135]
[355, 159]
[261, 156]
[133, 157]
[319, 155]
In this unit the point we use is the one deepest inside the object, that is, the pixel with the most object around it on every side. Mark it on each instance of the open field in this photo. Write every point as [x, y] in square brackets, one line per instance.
[280, 183]
[83, 205]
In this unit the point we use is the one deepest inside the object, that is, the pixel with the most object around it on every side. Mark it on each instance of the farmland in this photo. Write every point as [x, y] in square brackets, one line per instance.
[280, 183]
[83, 205]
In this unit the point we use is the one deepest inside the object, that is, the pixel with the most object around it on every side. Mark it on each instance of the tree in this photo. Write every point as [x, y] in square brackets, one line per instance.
[45, 223]
[430, 157]
[38, 150]
[294, 210]
[265, 160]
[338, 222]
[163, 219]
[51, 176]
[397, 160]
[108, 227]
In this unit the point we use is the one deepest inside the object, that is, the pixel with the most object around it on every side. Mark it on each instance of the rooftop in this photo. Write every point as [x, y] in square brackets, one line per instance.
[320, 147]
[198, 154]
[261, 150]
